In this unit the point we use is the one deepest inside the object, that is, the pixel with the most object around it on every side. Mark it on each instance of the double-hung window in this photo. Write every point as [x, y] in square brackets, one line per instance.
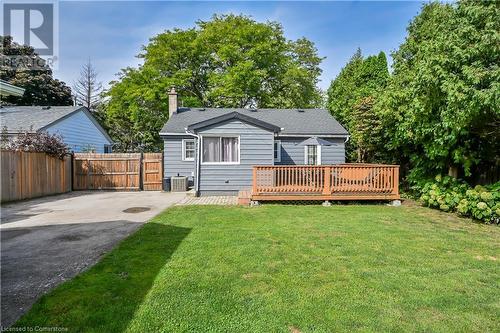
[277, 151]
[312, 155]
[188, 150]
[222, 150]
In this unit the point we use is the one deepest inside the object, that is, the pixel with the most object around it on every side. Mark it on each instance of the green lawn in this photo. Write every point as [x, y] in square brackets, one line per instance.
[288, 269]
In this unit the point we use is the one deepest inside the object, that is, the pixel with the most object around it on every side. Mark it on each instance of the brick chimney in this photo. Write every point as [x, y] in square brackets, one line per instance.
[172, 102]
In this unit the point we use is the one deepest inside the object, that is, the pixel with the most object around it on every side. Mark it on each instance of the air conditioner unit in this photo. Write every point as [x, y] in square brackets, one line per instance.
[179, 184]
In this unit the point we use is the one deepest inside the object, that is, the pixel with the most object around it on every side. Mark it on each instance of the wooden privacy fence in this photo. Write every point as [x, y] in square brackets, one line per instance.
[29, 175]
[120, 171]
[326, 182]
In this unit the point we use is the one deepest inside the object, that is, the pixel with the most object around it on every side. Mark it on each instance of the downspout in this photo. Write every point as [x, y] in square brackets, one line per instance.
[197, 167]
[346, 139]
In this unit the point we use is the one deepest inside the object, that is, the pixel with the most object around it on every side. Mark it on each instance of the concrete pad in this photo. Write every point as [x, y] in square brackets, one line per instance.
[49, 240]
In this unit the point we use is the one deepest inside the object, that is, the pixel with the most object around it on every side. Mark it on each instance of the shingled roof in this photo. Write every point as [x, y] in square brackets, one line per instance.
[18, 119]
[290, 121]
[33, 118]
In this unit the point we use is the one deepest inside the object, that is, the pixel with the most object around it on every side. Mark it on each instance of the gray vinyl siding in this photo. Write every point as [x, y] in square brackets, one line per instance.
[293, 154]
[80, 133]
[256, 148]
[172, 158]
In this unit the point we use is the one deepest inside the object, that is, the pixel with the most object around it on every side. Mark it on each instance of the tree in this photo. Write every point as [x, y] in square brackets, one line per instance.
[342, 93]
[441, 107]
[228, 61]
[351, 99]
[87, 89]
[366, 131]
[40, 87]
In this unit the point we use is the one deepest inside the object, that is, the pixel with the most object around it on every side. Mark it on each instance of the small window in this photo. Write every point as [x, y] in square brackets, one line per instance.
[224, 150]
[277, 151]
[188, 150]
[312, 155]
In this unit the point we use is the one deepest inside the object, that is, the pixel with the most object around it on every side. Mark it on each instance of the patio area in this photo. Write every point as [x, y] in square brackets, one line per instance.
[220, 200]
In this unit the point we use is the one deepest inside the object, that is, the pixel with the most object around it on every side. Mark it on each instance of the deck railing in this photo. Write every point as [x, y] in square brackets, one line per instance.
[336, 182]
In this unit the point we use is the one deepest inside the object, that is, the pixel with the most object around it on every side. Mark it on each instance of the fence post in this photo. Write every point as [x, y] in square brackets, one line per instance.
[326, 180]
[141, 170]
[72, 172]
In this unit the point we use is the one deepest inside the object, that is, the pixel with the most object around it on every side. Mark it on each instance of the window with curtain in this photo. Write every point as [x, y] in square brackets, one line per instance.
[188, 150]
[220, 150]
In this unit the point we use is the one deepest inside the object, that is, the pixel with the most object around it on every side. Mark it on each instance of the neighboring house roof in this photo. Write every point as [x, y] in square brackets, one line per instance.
[18, 119]
[290, 121]
[7, 89]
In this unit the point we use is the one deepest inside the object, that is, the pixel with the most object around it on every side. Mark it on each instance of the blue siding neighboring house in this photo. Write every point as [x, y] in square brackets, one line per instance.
[78, 128]
[217, 148]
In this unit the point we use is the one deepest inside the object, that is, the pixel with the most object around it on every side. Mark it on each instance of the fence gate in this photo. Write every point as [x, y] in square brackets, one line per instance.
[152, 171]
[121, 171]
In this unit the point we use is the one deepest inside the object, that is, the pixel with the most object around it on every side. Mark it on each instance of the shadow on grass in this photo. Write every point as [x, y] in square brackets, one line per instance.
[105, 298]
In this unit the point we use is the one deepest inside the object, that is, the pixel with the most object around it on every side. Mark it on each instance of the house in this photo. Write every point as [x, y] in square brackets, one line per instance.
[217, 148]
[78, 128]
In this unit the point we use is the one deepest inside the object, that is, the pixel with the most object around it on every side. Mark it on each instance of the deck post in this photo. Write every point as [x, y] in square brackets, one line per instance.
[396, 181]
[254, 183]
[326, 181]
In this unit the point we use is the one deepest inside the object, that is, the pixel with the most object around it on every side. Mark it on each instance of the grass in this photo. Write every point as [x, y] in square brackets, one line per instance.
[288, 269]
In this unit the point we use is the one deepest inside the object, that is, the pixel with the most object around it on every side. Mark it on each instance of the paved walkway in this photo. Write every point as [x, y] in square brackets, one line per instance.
[209, 200]
[49, 240]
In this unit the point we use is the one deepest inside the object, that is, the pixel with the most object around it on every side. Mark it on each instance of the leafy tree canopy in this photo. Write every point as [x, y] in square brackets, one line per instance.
[229, 61]
[40, 87]
[442, 107]
[351, 99]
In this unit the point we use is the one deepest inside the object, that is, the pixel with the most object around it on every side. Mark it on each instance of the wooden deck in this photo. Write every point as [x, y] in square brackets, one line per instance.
[326, 182]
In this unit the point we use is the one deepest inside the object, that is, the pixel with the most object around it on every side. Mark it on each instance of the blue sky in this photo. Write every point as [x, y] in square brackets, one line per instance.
[111, 33]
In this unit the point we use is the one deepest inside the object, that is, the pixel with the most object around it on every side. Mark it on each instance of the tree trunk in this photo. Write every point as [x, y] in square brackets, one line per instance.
[453, 171]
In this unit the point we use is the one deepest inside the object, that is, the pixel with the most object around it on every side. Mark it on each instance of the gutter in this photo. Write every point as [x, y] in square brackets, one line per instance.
[198, 159]
[7, 89]
[333, 136]
[314, 134]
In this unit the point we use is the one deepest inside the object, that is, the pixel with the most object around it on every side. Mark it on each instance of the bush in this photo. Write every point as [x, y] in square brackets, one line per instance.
[450, 195]
[44, 142]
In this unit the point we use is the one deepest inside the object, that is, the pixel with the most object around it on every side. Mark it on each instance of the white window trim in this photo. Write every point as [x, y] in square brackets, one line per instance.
[184, 150]
[278, 159]
[221, 136]
[318, 151]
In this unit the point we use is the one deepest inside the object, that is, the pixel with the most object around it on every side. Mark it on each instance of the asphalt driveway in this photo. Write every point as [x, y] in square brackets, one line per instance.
[49, 240]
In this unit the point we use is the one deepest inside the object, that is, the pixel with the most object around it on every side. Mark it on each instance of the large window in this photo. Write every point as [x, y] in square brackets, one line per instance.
[188, 150]
[277, 151]
[223, 150]
[312, 155]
